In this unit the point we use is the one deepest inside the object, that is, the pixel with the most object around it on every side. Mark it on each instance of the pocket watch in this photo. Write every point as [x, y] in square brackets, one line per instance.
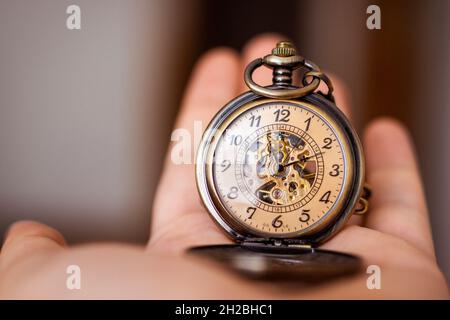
[281, 170]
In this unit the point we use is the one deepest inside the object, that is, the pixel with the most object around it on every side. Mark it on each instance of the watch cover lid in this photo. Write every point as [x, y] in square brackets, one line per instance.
[284, 263]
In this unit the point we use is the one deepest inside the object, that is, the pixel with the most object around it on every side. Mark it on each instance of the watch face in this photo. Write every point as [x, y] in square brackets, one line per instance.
[278, 168]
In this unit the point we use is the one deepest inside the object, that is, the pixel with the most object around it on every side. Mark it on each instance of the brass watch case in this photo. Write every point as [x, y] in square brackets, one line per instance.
[317, 233]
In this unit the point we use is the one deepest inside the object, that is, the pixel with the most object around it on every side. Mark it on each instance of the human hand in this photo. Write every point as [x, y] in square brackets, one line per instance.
[395, 235]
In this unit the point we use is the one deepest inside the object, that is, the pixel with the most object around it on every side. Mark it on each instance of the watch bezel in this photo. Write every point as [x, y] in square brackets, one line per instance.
[241, 234]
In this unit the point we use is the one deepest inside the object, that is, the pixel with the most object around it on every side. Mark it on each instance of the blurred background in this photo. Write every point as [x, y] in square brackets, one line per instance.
[86, 115]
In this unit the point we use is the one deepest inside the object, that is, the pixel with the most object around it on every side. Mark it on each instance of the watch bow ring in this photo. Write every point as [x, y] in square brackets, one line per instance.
[281, 170]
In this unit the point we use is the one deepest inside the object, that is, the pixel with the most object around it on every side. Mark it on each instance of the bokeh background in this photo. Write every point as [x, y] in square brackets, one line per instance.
[86, 116]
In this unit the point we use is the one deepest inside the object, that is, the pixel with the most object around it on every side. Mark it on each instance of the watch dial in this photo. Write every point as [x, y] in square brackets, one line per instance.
[279, 168]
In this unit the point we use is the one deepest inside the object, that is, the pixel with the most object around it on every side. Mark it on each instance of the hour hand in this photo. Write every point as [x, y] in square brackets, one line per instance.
[303, 159]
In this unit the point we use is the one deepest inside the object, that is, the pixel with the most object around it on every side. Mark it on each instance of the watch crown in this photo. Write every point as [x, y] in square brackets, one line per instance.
[284, 49]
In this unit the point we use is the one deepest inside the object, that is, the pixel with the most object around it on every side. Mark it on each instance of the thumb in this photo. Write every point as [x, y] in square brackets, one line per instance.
[26, 238]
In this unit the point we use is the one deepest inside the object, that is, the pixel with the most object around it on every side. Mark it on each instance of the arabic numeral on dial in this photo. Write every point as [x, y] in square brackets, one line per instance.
[251, 211]
[235, 139]
[277, 223]
[304, 216]
[282, 115]
[225, 165]
[233, 194]
[327, 143]
[335, 172]
[326, 197]
[308, 123]
[255, 121]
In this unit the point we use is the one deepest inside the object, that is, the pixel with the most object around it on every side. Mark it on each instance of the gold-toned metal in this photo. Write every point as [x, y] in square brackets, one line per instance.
[321, 76]
[283, 60]
[363, 207]
[282, 184]
[272, 186]
[364, 200]
[284, 49]
[276, 93]
[239, 225]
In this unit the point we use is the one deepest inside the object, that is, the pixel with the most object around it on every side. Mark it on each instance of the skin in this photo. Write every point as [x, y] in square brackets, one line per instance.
[394, 235]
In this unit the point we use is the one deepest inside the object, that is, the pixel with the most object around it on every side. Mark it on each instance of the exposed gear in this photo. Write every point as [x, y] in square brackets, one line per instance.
[281, 164]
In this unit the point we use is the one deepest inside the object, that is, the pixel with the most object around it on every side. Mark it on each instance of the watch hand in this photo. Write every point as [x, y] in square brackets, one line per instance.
[303, 159]
[314, 155]
[261, 187]
[294, 147]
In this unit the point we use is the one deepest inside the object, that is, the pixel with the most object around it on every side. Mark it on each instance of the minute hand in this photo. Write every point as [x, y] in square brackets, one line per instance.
[302, 160]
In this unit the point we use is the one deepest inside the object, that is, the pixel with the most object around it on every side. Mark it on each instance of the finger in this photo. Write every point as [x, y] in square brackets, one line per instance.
[398, 205]
[177, 205]
[212, 85]
[340, 94]
[390, 254]
[25, 238]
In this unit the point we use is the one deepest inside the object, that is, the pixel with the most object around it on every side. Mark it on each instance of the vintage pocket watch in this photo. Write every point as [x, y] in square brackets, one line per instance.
[281, 170]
